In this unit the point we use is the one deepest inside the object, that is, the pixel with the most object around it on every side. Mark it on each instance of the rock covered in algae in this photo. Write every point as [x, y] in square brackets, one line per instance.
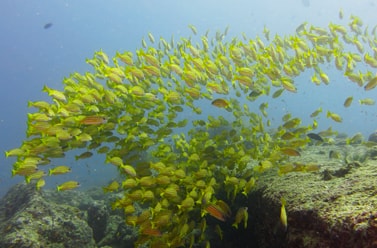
[30, 218]
[98, 215]
[118, 234]
[109, 227]
[373, 137]
[339, 211]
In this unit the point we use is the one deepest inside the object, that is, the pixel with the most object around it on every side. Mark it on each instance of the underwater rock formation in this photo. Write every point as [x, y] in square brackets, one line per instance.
[97, 219]
[335, 212]
[31, 218]
[28, 220]
[373, 137]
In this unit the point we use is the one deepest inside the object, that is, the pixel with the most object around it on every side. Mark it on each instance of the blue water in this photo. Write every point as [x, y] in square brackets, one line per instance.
[32, 56]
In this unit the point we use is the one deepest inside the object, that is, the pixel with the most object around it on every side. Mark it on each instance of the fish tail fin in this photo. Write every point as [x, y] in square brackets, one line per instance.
[283, 201]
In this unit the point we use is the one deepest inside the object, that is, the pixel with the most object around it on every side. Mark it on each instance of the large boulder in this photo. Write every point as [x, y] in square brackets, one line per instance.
[333, 207]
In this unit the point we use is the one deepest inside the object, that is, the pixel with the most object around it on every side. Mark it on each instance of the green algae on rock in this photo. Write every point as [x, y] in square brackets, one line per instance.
[29, 220]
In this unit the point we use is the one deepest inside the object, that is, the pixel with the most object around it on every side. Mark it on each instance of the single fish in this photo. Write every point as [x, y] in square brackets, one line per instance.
[68, 185]
[348, 102]
[371, 84]
[283, 214]
[241, 215]
[216, 212]
[315, 136]
[47, 25]
[221, 103]
[334, 117]
[62, 169]
[93, 120]
[113, 186]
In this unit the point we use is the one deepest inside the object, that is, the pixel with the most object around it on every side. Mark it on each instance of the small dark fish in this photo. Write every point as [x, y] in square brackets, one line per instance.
[315, 136]
[221, 103]
[84, 155]
[47, 25]
[255, 93]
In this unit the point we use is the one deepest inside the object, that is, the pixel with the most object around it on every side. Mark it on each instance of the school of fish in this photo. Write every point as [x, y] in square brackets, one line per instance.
[144, 110]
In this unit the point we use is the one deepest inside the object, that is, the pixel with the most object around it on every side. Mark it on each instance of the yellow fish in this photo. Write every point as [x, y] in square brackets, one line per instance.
[290, 151]
[221, 103]
[348, 102]
[14, 152]
[93, 120]
[58, 95]
[367, 101]
[216, 212]
[68, 185]
[37, 175]
[371, 84]
[113, 186]
[151, 38]
[288, 85]
[193, 29]
[25, 170]
[334, 116]
[241, 215]
[59, 170]
[40, 183]
[283, 214]
[129, 170]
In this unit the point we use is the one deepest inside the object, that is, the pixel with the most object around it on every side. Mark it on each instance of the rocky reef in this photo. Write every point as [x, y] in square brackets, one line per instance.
[31, 218]
[332, 207]
[28, 220]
